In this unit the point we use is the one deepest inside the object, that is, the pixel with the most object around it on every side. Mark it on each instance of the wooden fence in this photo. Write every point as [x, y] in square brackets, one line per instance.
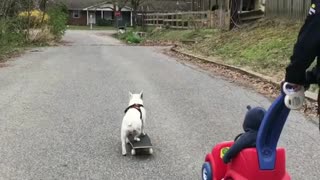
[291, 9]
[187, 20]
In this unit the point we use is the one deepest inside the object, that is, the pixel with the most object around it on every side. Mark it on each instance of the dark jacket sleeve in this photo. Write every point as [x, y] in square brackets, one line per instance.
[248, 139]
[305, 50]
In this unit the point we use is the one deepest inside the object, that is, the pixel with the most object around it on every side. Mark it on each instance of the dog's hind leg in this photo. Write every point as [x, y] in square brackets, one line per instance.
[137, 134]
[142, 129]
[123, 143]
[143, 122]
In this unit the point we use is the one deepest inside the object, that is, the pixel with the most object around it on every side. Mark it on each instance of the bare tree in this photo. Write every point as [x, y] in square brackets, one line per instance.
[8, 7]
[43, 7]
[135, 5]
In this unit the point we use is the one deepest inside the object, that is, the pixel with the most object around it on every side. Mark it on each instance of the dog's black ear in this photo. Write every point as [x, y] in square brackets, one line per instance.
[141, 94]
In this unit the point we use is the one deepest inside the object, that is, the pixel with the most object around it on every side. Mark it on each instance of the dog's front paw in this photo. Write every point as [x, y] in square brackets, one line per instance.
[137, 139]
[124, 151]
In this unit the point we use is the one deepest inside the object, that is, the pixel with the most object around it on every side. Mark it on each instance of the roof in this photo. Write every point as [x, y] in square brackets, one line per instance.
[81, 4]
[149, 5]
[165, 5]
[106, 6]
[91, 5]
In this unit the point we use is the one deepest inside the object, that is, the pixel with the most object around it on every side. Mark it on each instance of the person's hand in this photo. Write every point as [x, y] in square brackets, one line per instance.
[294, 98]
[289, 88]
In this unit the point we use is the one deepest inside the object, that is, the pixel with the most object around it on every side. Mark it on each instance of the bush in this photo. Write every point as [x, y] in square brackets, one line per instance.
[57, 20]
[11, 32]
[41, 36]
[37, 18]
[130, 37]
[11, 36]
[133, 39]
[31, 27]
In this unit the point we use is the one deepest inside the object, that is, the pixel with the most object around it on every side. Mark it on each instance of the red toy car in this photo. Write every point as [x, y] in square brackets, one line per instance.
[265, 162]
[244, 167]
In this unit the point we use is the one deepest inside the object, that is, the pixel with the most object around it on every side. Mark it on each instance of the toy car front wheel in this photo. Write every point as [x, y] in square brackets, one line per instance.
[206, 171]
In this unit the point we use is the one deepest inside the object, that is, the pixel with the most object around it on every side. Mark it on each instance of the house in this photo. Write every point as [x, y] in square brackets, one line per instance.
[84, 12]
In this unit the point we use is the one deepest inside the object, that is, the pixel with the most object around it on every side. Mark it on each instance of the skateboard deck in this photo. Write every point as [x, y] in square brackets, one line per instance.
[144, 142]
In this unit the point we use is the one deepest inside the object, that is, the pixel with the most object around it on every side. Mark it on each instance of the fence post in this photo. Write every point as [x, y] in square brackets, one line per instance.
[212, 18]
[157, 19]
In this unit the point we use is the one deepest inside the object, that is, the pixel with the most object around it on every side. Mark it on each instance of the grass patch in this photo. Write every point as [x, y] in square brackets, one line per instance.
[263, 47]
[180, 35]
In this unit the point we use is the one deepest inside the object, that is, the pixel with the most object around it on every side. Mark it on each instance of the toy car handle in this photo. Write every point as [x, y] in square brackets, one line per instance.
[274, 121]
[289, 88]
[294, 98]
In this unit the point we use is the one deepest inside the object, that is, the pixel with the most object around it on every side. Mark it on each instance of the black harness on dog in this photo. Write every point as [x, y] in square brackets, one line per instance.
[135, 106]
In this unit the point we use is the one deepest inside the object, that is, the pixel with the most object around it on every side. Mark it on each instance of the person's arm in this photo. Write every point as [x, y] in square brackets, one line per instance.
[305, 50]
[246, 140]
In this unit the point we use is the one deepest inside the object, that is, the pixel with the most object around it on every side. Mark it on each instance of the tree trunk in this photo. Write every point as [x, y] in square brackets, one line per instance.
[44, 10]
[143, 23]
[114, 14]
[134, 4]
[6, 6]
[29, 20]
[134, 13]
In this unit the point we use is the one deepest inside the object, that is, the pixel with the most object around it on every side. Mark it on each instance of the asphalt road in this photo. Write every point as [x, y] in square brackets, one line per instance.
[61, 110]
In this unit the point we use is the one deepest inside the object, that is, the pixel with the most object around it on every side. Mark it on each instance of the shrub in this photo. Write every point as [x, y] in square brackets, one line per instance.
[37, 18]
[133, 38]
[130, 37]
[105, 22]
[57, 20]
[11, 32]
[41, 36]
[11, 36]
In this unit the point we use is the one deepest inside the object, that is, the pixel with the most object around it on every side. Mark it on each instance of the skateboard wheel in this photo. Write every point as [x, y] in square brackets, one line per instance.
[150, 151]
[133, 152]
[206, 171]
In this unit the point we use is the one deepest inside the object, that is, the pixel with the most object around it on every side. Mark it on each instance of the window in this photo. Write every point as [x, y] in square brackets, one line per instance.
[76, 14]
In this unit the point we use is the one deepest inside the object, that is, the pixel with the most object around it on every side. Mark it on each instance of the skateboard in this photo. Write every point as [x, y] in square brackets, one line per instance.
[143, 144]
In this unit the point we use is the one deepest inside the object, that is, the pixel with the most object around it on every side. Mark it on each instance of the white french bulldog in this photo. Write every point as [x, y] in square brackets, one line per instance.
[133, 121]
